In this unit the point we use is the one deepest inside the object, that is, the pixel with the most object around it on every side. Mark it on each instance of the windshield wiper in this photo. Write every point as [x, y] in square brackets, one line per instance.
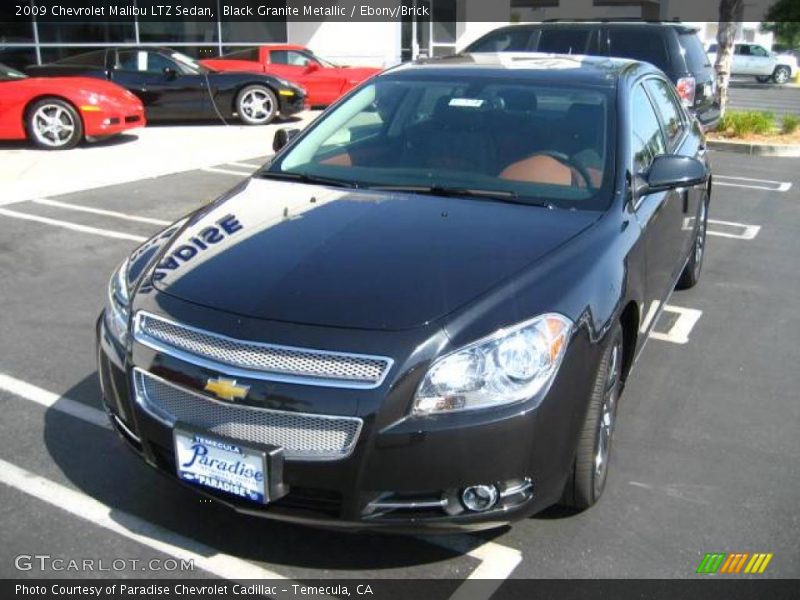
[304, 178]
[443, 190]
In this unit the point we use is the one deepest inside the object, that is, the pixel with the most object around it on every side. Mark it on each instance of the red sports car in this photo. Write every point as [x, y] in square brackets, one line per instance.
[323, 80]
[56, 113]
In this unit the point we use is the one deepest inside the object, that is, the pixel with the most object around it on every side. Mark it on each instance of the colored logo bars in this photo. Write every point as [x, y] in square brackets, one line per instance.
[734, 562]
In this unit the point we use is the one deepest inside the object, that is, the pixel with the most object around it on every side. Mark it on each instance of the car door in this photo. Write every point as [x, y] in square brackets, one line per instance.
[323, 84]
[675, 124]
[741, 64]
[660, 215]
[166, 89]
[762, 61]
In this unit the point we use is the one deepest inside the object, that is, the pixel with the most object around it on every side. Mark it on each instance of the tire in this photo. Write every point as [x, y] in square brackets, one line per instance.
[54, 124]
[691, 272]
[256, 105]
[781, 75]
[763, 78]
[587, 479]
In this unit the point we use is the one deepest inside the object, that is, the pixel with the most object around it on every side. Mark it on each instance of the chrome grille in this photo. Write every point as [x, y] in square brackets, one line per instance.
[261, 360]
[302, 436]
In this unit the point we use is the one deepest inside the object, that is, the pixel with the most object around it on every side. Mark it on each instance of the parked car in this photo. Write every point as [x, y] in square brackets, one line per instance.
[59, 113]
[324, 81]
[422, 312]
[174, 86]
[755, 60]
[672, 47]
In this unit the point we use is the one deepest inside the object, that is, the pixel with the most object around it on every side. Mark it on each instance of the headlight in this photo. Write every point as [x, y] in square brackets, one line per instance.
[511, 365]
[118, 304]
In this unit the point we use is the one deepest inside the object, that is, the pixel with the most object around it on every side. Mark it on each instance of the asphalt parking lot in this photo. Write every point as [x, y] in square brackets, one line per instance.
[748, 94]
[706, 448]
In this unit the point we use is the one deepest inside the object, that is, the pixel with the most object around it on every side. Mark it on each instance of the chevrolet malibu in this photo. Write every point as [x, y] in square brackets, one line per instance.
[422, 312]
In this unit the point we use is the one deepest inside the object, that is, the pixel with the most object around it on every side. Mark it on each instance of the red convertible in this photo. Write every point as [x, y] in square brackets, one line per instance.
[57, 113]
[323, 80]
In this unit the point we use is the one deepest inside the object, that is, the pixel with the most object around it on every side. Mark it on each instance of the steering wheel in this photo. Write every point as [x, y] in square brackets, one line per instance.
[569, 162]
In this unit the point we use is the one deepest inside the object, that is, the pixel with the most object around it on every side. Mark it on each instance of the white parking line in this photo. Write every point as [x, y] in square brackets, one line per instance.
[47, 399]
[749, 232]
[245, 165]
[72, 226]
[680, 330]
[779, 186]
[131, 526]
[99, 211]
[226, 171]
[497, 562]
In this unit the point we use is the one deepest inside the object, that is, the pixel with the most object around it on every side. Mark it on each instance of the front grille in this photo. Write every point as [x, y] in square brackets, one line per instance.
[302, 436]
[260, 360]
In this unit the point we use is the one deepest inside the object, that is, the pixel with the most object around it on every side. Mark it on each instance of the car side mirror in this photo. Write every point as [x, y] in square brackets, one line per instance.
[670, 171]
[311, 66]
[283, 137]
[170, 73]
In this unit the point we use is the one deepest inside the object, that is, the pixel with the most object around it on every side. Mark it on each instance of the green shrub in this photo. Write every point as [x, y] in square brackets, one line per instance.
[790, 124]
[740, 123]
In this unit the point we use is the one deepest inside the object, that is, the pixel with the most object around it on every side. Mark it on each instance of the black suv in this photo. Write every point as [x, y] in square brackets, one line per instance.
[672, 47]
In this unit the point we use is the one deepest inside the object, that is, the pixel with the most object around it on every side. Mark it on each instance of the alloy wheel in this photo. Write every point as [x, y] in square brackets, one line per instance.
[53, 125]
[256, 105]
[781, 75]
[608, 416]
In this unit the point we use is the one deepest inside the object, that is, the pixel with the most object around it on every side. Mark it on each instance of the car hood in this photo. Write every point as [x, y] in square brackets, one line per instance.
[336, 257]
[87, 85]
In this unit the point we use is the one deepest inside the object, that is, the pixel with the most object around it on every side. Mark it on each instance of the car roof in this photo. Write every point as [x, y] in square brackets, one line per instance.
[599, 71]
[556, 23]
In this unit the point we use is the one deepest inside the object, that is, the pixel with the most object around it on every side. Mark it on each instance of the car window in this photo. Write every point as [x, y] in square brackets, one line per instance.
[742, 49]
[758, 51]
[647, 140]
[289, 57]
[639, 44]
[564, 40]
[506, 40]
[143, 61]
[696, 58]
[536, 141]
[712, 49]
[97, 58]
[668, 107]
[248, 54]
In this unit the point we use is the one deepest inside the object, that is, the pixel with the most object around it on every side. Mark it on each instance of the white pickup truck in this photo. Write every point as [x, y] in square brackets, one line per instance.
[752, 59]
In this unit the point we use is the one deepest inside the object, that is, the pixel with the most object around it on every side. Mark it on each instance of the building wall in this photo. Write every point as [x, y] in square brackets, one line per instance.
[363, 44]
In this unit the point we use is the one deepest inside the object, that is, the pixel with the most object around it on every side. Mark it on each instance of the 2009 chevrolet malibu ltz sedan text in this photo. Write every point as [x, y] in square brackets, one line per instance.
[422, 312]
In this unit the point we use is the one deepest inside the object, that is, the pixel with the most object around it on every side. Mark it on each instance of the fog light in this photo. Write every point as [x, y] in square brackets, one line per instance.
[479, 498]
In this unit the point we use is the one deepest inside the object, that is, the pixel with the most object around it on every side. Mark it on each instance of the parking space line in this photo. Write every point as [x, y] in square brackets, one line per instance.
[749, 231]
[777, 186]
[131, 526]
[40, 396]
[99, 211]
[226, 171]
[680, 330]
[72, 226]
[246, 165]
[497, 562]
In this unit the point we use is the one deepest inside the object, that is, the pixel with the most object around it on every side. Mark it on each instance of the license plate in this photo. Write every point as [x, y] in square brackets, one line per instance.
[221, 465]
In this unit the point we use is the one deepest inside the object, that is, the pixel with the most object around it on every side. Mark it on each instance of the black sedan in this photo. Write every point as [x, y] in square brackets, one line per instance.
[172, 85]
[422, 312]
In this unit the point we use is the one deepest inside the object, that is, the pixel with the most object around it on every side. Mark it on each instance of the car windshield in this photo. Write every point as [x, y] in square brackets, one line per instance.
[188, 63]
[9, 74]
[504, 139]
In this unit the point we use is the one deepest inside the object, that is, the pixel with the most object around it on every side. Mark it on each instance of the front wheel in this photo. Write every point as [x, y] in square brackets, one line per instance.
[587, 480]
[54, 124]
[691, 272]
[256, 105]
[781, 75]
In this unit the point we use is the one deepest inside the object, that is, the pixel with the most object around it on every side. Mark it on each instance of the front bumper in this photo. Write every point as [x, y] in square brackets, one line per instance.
[290, 105]
[403, 474]
[111, 120]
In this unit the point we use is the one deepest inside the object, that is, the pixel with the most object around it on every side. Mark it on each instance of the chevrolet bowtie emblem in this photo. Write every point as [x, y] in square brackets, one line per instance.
[227, 389]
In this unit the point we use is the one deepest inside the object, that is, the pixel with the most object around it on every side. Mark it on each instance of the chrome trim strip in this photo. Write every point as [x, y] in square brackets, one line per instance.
[521, 488]
[412, 504]
[125, 428]
[151, 410]
[143, 338]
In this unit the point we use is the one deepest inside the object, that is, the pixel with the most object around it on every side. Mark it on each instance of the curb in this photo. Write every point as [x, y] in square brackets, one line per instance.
[754, 149]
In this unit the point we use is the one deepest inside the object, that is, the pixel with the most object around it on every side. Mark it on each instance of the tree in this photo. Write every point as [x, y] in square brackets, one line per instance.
[783, 19]
[730, 15]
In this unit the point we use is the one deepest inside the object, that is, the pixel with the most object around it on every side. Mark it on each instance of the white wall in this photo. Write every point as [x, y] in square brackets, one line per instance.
[349, 43]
